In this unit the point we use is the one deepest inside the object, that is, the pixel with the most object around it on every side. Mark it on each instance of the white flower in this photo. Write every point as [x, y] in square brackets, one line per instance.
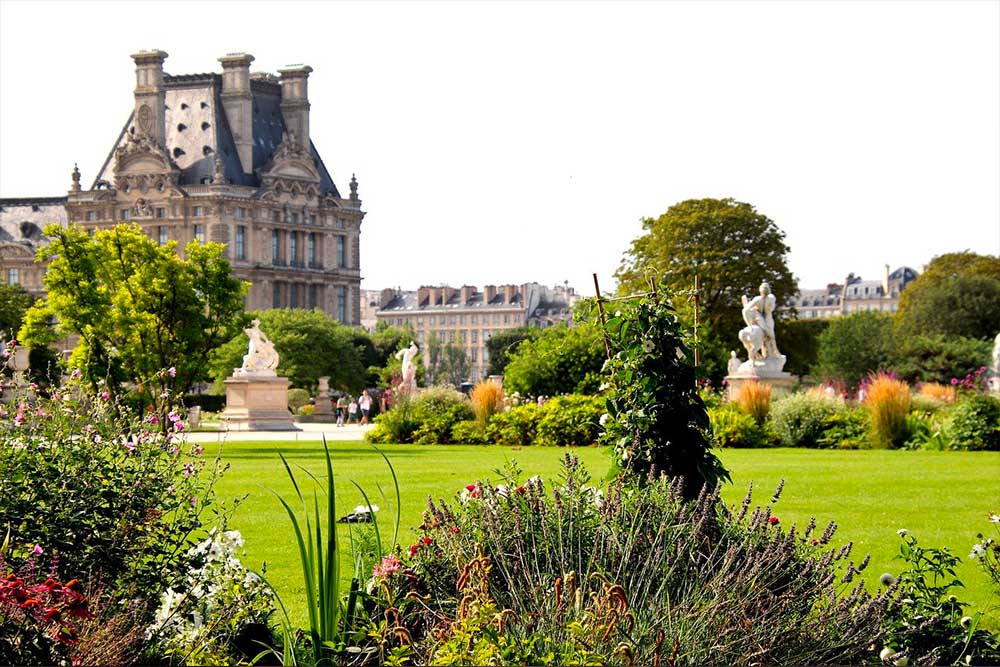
[966, 620]
[604, 419]
[648, 346]
[502, 490]
[901, 662]
[994, 518]
[977, 551]
[885, 653]
[604, 386]
[887, 579]
[902, 532]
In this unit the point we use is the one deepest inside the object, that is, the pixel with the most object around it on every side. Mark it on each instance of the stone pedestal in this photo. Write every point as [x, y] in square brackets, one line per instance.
[780, 382]
[257, 402]
[322, 408]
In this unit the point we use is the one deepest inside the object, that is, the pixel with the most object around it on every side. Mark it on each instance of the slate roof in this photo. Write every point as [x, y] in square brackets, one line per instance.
[197, 131]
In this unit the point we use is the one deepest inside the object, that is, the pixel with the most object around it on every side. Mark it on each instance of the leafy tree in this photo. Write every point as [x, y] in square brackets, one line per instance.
[939, 358]
[455, 366]
[799, 341]
[855, 345]
[731, 248]
[950, 305]
[138, 308]
[14, 303]
[504, 343]
[560, 360]
[310, 344]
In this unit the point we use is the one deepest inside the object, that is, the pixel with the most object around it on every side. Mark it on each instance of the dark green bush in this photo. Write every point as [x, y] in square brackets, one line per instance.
[570, 421]
[974, 423]
[207, 402]
[515, 427]
[847, 428]
[938, 358]
[736, 429]
[799, 420]
[559, 361]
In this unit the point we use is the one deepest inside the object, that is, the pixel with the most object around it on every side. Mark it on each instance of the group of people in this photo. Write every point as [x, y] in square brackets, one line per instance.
[349, 407]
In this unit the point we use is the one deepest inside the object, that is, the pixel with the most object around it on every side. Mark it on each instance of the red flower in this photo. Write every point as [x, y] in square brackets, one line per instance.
[520, 489]
[453, 530]
[427, 540]
[413, 550]
[470, 487]
[773, 520]
[52, 614]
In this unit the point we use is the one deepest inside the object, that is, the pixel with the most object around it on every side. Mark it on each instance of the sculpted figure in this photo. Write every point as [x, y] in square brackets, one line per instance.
[734, 362]
[758, 336]
[408, 354]
[261, 355]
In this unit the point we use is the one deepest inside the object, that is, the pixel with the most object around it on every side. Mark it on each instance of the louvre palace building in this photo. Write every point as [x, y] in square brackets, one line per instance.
[215, 157]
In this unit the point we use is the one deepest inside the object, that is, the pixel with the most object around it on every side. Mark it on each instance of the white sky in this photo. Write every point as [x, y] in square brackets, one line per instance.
[524, 141]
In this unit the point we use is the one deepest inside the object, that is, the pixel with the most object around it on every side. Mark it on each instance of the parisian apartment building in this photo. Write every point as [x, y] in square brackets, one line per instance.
[468, 316]
[215, 157]
[854, 295]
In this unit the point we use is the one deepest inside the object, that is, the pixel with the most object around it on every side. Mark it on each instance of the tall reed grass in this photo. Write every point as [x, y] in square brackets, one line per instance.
[487, 400]
[754, 399]
[888, 403]
[938, 392]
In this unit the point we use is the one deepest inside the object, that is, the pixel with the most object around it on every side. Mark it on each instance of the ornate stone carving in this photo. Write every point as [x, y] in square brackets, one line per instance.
[142, 209]
[145, 118]
[261, 357]
[76, 178]
[758, 336]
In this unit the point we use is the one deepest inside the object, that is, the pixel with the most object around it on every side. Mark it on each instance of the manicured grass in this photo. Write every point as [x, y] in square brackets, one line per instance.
[941, 497]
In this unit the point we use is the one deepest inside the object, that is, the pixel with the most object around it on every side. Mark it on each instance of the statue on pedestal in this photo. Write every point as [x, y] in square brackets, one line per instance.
[261, 357]
[409, 371]
[995, 370]
[758, 336]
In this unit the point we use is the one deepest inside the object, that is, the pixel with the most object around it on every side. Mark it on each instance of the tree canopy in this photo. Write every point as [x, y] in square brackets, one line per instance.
[310, 344]
[504, 343]
[729, 245]
[14, 303]
[560, 360]
[855, 345]
[958, 294]
[143, 313]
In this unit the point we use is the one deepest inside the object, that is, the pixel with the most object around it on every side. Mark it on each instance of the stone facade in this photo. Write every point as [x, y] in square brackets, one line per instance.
[21, 225]
[860, 295]
[466, 315]
[228, 158]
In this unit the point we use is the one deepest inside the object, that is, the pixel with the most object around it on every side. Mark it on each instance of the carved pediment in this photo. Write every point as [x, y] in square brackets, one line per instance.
[291, 162]
[143, 165]
[12, 251]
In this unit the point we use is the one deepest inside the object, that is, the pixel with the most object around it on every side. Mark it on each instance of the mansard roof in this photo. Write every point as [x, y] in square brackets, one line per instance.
[197, 131]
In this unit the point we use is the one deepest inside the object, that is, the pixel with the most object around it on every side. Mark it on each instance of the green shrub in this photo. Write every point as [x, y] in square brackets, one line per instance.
[939, 358]
[854, 346]
[207, 402]
[731, 427]
[426, 418]
[974, 423]
[396, 425]
[297, 398]
[436, 427]
[570, 421]
[468, 433]
[847, 428]
[926, 404]
[514, 428]
[560, 360]
[927, 432]
[800, 419]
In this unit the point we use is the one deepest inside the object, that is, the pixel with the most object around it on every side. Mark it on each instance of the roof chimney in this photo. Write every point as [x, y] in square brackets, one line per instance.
[489, 293]
[238, 103]
[295, 102]
[149, 120]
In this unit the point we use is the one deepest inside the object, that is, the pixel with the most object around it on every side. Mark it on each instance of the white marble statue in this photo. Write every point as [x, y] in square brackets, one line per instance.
[408, 354]
[758, 335]
[734, 362]
[995, 370]
[261, 357]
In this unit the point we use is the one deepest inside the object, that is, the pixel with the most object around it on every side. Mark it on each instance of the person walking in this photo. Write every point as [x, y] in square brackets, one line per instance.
[352, 411]
[365, 403]
[341, 409]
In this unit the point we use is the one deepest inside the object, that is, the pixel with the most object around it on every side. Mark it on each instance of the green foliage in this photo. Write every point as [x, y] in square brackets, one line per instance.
[974, 423]
[732, 427]
[516, 427]
[800, 343]
[425, 418]
[137, 307]
[938, 358]
[569, 421]
[559, 572]
[656, 418]
[730, 246]
[800, 420]
[447, 362]
[14, 303]
[560, 360]
[468, 432]
[928, 625]
[117, 499]
[297, 398]
[855, 346]
[504, 343]
[298, 336]
[846, 428]
[958, 294]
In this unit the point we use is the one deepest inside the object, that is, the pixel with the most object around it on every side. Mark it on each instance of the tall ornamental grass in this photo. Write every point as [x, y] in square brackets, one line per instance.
[487, 400]
[754, 399]
[938, 392]
[888, 402]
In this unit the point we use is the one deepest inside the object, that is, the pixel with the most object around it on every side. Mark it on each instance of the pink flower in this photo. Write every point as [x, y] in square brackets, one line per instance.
[171, 489]
[153, 419]
[172, 372]
[388, 566]
[954, 380]
[105, 395]
[194, 501]
[130, 446]
[179, 426]
[173, 416]
[175, 450]
[197, 450]
[188, 469]
[37, 550]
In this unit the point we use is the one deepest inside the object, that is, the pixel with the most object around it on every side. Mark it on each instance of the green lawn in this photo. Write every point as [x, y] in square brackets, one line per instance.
[941, 497]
